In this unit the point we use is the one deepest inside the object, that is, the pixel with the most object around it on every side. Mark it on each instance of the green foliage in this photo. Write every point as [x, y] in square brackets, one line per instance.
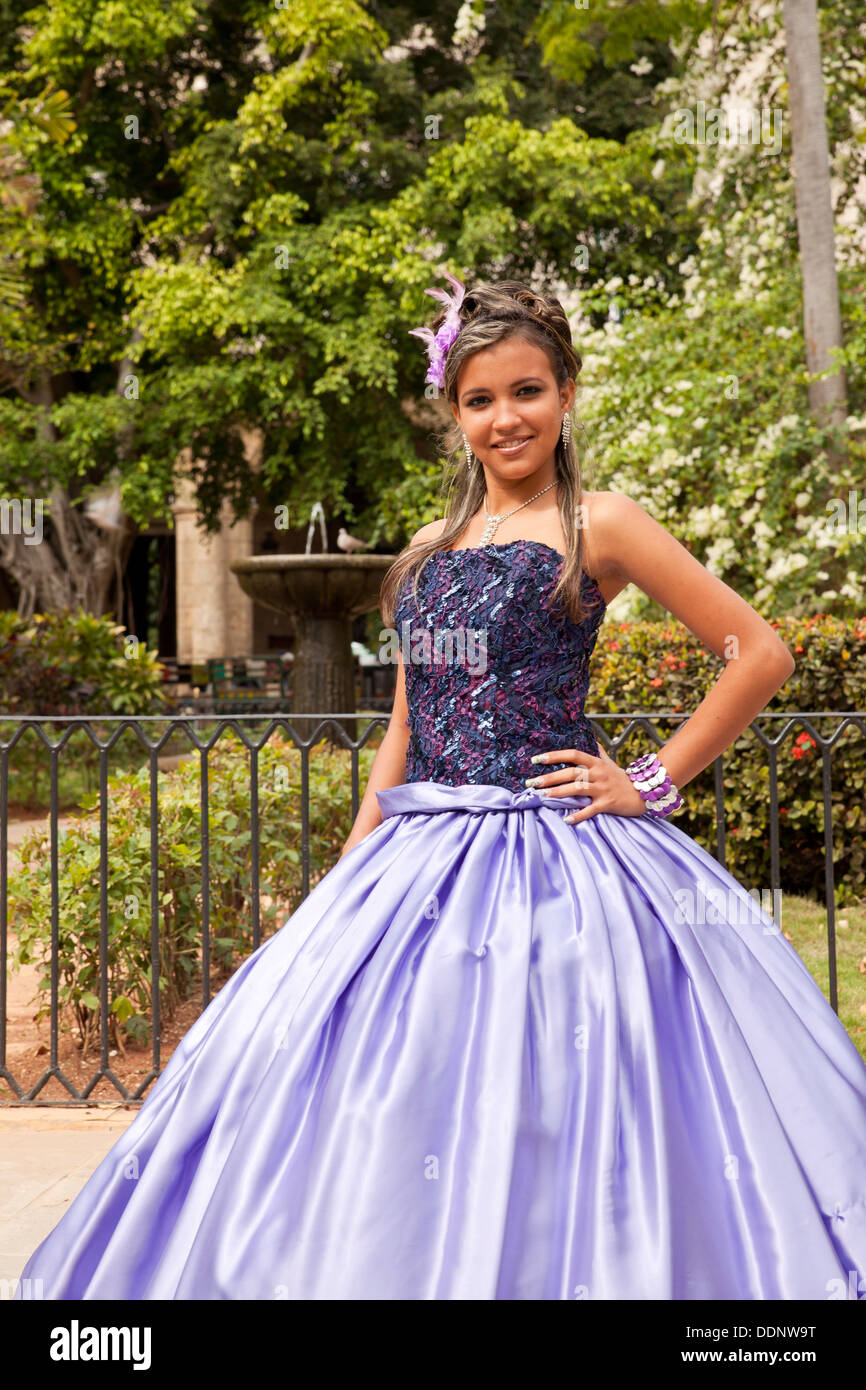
[694, 389]
[660, 667]
[636, 667]
[713, 433]
[259, 192]
[74, 663]
[713, 437]
[573, 34]
[50, 114]
[300, 174]
[179, 913]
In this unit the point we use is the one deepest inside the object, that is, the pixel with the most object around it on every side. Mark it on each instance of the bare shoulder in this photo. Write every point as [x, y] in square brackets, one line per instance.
[606, 518]
[431, 532]
[608, 508]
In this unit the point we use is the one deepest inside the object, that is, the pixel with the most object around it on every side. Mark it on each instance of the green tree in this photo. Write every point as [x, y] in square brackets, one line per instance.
[240, 230]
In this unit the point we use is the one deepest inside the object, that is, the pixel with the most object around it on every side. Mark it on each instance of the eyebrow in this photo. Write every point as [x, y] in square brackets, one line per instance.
[521, 381]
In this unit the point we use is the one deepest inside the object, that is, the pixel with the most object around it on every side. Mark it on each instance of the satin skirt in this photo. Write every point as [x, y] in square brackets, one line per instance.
[495, 1056]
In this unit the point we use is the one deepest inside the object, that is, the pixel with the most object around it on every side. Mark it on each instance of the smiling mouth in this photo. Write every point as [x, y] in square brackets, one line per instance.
[510, 446]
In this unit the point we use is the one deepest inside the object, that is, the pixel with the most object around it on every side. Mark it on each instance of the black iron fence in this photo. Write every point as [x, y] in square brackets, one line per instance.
[200, 735]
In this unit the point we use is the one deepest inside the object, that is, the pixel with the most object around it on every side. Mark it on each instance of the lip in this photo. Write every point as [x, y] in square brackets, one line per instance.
[513, 449]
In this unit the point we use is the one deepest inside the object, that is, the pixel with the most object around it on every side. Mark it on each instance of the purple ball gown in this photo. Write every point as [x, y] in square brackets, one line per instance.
[494, 1055]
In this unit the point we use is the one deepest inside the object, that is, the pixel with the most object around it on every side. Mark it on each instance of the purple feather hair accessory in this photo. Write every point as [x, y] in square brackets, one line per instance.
[438, 343]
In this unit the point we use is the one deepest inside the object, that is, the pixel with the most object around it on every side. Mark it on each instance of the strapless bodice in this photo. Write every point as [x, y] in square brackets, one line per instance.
[494, 672]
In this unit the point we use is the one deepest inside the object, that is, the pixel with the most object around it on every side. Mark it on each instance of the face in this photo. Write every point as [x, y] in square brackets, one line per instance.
[510, 407]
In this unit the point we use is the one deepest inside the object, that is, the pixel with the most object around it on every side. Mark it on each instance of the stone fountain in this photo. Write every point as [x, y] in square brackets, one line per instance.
[322, 594]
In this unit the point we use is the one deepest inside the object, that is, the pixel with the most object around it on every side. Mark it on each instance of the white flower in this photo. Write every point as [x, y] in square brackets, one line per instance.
[719, 553]
[706, 520]
[468, 24]
[784, 565]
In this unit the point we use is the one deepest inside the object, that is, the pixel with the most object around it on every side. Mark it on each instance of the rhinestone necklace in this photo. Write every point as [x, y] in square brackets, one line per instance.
[494, 522]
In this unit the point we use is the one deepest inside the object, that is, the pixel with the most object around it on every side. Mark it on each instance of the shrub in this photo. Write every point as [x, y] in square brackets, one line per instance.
[74, 663]
[661, 667]
[179, 904]
[637, 667]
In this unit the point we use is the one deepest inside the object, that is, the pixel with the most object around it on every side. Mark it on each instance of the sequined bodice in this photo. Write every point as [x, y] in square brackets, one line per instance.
[494, 673]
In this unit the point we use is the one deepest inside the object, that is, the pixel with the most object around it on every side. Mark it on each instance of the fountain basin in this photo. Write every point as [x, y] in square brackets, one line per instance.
[321, 593]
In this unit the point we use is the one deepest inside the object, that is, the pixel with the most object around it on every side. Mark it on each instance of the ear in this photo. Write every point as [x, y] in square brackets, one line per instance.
[567, 394]
[455, 412]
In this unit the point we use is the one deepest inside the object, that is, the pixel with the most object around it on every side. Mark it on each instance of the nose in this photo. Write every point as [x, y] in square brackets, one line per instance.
[506, 418]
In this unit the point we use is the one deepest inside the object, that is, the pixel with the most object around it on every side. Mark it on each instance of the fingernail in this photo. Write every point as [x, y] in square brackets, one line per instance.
[531, 781]
[539, 758]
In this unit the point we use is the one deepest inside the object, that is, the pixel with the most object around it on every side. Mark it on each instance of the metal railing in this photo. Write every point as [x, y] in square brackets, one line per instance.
[771, 732]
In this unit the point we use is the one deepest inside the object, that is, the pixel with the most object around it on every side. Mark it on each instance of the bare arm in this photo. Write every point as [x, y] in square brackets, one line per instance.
[389, 767]
[626, 544]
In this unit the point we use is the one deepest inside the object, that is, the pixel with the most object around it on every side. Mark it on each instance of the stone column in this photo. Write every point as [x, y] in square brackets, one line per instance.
[214, 615]
[237, 606]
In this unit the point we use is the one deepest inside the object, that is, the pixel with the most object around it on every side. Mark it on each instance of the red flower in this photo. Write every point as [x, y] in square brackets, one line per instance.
[798, 649]
[656, 681]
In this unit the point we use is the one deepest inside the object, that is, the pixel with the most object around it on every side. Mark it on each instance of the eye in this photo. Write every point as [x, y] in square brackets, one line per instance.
[485, 400]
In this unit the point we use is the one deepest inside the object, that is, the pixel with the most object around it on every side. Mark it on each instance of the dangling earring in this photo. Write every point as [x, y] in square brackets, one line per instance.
[566, 428]
[469, 458]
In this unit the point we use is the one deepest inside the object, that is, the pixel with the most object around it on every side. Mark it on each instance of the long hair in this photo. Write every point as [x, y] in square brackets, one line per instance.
[490, 313]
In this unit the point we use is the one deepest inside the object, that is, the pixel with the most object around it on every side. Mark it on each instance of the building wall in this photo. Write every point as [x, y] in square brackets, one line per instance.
[215, 618]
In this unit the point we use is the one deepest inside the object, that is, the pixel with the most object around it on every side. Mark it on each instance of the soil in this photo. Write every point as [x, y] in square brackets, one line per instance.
[28, 1042]
[28, 1059]
[18, 811]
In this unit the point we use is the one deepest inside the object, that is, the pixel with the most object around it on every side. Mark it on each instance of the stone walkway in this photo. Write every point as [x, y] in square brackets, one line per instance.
[47, 1153]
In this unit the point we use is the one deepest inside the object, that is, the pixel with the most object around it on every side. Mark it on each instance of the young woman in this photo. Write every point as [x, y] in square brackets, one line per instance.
[505, 1049]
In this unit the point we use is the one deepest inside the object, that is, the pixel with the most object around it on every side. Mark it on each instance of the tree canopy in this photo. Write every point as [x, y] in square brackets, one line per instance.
[238, 233]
